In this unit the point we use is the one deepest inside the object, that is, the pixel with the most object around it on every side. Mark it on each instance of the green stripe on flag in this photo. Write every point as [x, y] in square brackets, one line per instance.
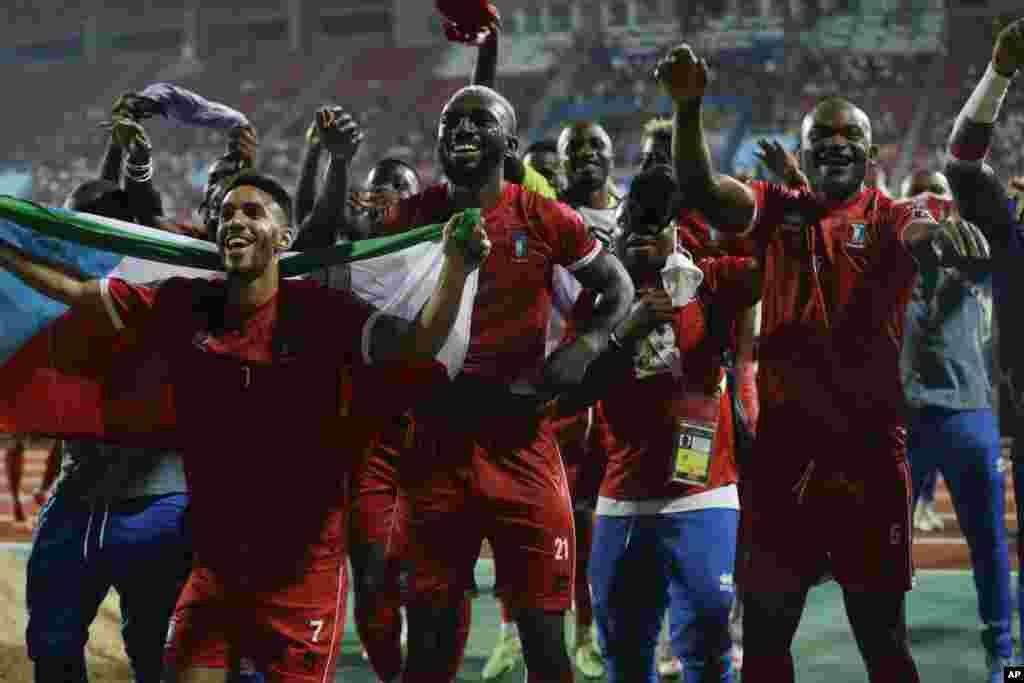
[128, 239]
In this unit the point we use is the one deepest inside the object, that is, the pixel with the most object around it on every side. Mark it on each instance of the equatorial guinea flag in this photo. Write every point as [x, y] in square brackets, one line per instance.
[67, 373]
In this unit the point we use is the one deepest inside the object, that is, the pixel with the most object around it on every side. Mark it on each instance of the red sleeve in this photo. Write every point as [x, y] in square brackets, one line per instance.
[129, 305]
[893, 221]
[573, 247]
[730, 279]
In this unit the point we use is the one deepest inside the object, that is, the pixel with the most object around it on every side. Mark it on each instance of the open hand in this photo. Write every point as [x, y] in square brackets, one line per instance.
[960, 243]
[777, 159]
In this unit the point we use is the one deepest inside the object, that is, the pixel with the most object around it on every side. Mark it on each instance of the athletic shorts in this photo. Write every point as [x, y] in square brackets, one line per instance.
[293, 633]
[505, 483]
[584, 461]
[856, 522]
[374, 496]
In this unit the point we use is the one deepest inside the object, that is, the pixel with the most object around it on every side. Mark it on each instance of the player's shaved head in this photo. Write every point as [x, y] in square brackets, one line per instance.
[488, 98]
[587, 151]
[833, 108]
[476, 132]
[836, 148]
[924, 181]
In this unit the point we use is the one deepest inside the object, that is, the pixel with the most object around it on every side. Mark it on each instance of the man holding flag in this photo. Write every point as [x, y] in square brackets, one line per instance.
[219, 363]
[497, 473]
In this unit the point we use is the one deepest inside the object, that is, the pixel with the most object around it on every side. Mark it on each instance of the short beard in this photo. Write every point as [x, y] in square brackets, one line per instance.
[471, 179]
[840, 191]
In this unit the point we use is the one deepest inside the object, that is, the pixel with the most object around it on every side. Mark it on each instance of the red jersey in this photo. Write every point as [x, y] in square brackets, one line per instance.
[838, 271]
[530, 234]
[642, 410]
[244, 399]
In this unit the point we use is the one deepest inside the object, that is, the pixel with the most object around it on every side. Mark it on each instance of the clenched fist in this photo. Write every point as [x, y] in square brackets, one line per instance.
[470, 253]
[683, 76]
[1008, 53]
[339, 132]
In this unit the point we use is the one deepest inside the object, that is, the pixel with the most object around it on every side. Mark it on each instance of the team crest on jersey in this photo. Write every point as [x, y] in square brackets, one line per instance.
[520, 245]
[859, 235]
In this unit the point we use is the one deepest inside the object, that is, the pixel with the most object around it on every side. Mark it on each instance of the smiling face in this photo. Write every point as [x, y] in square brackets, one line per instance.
[395, 178]
[477, 130]
[587, 151]
[836, 147]
[253, 230]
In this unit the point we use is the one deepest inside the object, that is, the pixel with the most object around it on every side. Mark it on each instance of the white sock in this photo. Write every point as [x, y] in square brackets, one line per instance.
[509, 630]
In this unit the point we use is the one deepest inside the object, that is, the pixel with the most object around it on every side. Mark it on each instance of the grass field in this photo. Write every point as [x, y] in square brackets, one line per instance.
[942, 611]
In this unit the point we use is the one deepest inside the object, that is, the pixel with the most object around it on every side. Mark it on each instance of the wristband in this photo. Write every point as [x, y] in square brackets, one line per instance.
[139, 173]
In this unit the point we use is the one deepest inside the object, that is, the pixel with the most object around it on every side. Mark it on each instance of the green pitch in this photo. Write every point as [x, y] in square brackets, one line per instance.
[943, 628]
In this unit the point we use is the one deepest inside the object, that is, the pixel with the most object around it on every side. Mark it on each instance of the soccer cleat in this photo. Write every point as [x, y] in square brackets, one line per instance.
[933, 517]
[507, 654]
[922, 522]
[670, 668]
[736, 654]
[588, 660]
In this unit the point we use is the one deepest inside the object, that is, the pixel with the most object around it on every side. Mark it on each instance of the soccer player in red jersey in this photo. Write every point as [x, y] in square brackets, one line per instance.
[497, 473]
[839, 260]
[237, 352]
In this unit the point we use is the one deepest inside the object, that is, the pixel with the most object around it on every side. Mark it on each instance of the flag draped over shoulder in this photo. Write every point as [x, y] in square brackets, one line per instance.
[57, 366]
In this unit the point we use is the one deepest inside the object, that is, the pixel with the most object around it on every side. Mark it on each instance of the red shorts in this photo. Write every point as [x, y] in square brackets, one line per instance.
[374, 495]
[506, 483]
[579, 441]
[293, 633]
[856, 523]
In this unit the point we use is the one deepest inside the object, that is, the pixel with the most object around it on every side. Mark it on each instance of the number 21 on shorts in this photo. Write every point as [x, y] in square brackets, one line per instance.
[561, 548]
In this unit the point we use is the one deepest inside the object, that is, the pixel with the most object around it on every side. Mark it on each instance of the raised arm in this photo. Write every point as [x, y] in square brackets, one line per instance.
[981, 198]
[341, 136]
[486, 70]
[396, 339]
[727, 203]
[129, 135]
[110, 167]
[305, 192]
[53, 280]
